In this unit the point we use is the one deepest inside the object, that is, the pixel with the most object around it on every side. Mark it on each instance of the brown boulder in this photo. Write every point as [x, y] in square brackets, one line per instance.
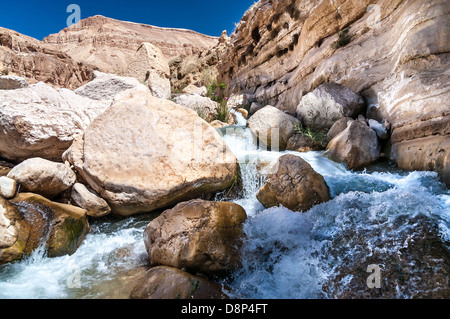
[171, 283]
[356, 146]
[302, 143]
[295, 185]
[197, 235]
[30, 221]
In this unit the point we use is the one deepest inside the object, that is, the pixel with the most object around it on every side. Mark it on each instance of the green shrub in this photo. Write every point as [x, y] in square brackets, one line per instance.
[222, 112]
[344, 38]
[5, 72]
[318, 136]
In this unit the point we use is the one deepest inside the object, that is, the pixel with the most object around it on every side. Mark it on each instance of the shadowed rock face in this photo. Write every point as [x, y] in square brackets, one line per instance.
[396, 58]
[111, 44]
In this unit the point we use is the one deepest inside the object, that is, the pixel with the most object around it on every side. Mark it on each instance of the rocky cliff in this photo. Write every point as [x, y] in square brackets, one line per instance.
[111, 44]
[29, 58]
[395, 53]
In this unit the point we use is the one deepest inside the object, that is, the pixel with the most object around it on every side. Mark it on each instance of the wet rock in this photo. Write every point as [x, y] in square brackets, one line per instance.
[86, 199]
[272, 127]
[295, 185]
[356, 146]
[14, 233]
[198, 235]
[170, 283]
[43, 177]
[243, 112]
[8, 187]
[61, 228]
[147, 153]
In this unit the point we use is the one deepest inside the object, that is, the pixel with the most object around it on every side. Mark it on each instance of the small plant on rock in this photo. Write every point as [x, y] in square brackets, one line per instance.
[344, 38]
[317, 136]
[5, 72]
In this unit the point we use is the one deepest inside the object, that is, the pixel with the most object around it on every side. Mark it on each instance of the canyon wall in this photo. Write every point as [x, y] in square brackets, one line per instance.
[395, 53]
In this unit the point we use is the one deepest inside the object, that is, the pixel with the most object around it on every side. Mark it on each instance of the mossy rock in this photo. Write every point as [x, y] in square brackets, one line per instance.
[61, 227]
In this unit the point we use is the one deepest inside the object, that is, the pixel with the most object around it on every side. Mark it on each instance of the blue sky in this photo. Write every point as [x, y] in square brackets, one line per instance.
[39, 18]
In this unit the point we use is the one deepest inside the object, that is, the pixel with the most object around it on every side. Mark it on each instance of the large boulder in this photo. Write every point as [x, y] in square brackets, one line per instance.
[356, 146]
[338, 127]
[94, 205]
[328, 103]
[272, 127]
[43, 177]
[29, 221]
[295, 185]
[146, 153]
[105, 87]
[40, 121]
[11, 82]
[197, 235]
[164, 282]
[151, 68]
[204, 106]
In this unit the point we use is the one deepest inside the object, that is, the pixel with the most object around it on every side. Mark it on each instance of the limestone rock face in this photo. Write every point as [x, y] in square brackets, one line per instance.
[295, 185]
[43, 177]
[164, 282]
[11, 82]
[397, 59]
[145, 153]
[149, 66]
[328, 103]
[40, 121]
[110, 45]
[356, 146]
[199, 69]
[272, 126]
[198, 235]
[86, 199]
[104, 87]
[28, 58]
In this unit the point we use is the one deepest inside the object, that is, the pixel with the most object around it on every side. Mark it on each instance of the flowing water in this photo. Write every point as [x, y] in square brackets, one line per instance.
[395, 221]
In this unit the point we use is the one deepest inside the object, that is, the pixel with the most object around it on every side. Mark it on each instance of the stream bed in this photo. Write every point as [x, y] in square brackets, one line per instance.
[381, 218]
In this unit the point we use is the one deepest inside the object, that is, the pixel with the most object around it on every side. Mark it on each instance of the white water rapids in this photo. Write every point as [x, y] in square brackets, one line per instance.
[383, 216]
